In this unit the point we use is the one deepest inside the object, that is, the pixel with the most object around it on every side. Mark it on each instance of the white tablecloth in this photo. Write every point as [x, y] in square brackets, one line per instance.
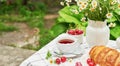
[38, 58]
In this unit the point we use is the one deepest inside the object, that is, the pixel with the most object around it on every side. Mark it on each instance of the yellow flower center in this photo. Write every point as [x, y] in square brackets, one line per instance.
[83, 6]
[80, 3]
[109, 14]
[92, 9]
[119, 6]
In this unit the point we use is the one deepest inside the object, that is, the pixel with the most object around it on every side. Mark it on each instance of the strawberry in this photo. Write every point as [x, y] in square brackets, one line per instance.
[71, 31]
[78, 64]
[58, 61]
[92, 64]
[78, 32]
[89, 60]
[63, 59]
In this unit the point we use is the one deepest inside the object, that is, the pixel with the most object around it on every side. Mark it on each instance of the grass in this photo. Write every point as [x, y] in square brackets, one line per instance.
[6, 28]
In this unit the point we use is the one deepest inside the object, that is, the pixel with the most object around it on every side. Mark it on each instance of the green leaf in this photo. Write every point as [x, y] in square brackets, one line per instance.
[59, 28]
[113, 19]
[69, 16]
[60, 19]
[48, 55]
[117, 11]
[113, 31]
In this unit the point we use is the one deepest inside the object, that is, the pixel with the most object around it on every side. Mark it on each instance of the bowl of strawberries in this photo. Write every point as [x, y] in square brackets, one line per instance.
[77, 33]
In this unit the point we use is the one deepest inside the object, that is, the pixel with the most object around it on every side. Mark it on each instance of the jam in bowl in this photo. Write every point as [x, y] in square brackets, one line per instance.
[66, 41]
[67, 44]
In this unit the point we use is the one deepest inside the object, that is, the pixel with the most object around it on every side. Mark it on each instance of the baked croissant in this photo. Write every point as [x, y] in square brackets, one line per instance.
[105, 56]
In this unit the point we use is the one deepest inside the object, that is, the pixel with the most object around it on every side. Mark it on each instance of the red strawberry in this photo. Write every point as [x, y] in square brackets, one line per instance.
[92, 64]
[78, 64]
[78, 32]
[63, 59]
[58, 61]
[71, 31]
[89, 60]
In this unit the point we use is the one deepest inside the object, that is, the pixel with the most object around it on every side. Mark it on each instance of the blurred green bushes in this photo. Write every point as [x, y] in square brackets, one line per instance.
[31, 13]
[17, 11]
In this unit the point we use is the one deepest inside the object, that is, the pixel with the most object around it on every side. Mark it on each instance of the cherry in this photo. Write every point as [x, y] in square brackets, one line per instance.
[91, 64]
[71, 31]
[78, 64]
[63, 59]
[58, 61]
[89, 60]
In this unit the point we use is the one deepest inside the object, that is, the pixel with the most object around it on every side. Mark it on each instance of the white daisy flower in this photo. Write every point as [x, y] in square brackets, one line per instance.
[83, 19]
[80, 9]
[94, 4]
[67, 4]
[75, 11]
[92, 9]
[100, 8]
[82, 4]
[113, 2]
[62, 3]
[109, 15]
[112, 25]
[68, 0]
[79, 3]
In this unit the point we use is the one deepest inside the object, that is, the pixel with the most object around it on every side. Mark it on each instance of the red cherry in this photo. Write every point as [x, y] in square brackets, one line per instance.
[78, 32]
[58, 61]
[63, 59]
[91, 64]
[78, 64]
[89, 60]
[71, 31]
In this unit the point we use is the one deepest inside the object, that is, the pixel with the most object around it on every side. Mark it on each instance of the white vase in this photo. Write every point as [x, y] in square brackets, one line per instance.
[97, 33]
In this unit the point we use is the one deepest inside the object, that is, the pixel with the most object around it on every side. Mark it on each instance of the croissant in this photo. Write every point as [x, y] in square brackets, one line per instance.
[105, 56]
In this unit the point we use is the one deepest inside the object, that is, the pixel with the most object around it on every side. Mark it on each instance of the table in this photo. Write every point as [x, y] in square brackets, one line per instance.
[38, 58]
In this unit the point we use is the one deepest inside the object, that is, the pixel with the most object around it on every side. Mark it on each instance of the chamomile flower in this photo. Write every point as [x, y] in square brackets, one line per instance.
[94, 4]
[68, 0]
[62, 3]
[100, 8]
[113, 2]
[92, 9]
[80, 9]
[109, 15]
[79, 3]
[75, 11]
[83, 6]
[112, 25]
[67, 4]
[83, 19]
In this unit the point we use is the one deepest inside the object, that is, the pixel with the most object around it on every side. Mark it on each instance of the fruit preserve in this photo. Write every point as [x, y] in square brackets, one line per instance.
[66, 41]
